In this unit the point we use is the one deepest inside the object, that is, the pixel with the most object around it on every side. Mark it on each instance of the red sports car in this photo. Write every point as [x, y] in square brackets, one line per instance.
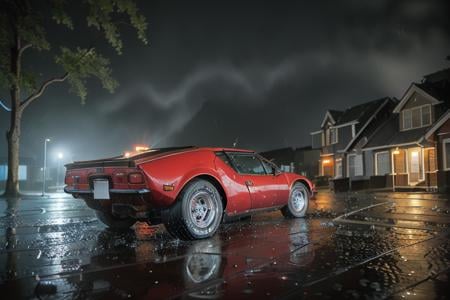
[188, 189]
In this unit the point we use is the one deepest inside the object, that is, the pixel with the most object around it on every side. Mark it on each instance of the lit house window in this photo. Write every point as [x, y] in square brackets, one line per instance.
[416, 117]
[382, 163]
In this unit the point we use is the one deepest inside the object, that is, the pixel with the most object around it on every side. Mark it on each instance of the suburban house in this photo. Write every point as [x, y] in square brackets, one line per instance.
[341, 133]
[304, 161]
[408, 150]
[404, 144]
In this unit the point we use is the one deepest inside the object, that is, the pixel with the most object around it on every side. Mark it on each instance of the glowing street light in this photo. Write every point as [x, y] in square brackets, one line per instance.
[60, 156]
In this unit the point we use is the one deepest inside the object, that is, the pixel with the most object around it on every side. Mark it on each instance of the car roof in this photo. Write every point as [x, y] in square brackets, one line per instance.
[215, 149]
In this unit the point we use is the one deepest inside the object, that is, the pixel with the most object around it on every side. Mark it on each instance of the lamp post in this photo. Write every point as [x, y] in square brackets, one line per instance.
[45, 167]
[60, 157]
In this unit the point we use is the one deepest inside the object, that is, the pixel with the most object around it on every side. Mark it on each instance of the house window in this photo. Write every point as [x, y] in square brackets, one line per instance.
[407, 119]
[355, 165]
[382, 163]
[426, 115]
[446, 145]
[333, 135]
[399, 161]
[416, 122]
[417, 117]
[338, 168]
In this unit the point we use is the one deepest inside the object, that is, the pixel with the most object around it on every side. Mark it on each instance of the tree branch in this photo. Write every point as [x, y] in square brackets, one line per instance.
[22, 49]
[42, 89]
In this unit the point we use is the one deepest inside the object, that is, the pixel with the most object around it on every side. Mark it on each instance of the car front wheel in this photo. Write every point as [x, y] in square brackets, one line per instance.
[297, 203]
[197, 212]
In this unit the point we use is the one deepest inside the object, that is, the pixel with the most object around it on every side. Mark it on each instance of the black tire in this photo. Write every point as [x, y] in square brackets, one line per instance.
[113, 222]
[197, 212]
[298, 201]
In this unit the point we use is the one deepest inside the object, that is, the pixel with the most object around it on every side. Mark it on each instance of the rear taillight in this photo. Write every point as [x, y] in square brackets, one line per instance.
[72, 179]
[120, 177]
[135, 178]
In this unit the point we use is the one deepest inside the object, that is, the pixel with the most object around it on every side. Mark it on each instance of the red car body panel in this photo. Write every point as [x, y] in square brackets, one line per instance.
[166, 173]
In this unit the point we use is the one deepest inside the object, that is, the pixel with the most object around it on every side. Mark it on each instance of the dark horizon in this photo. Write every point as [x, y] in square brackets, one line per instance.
[262, 73]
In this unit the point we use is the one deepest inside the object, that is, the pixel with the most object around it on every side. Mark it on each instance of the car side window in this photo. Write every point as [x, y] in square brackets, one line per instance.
[224, 158]
[268, 166]
[247, 164]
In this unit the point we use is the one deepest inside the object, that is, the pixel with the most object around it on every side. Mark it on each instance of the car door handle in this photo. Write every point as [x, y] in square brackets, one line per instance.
[249, 183]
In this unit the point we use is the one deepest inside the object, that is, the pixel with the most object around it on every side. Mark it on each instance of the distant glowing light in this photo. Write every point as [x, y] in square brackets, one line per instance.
[127, 154]
[60, 155]
[141, 148]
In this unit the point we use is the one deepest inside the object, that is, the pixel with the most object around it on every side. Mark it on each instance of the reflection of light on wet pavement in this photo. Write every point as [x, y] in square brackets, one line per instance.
[373, 249]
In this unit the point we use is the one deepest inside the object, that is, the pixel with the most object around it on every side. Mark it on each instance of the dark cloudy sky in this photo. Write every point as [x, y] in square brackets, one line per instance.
[263, 72]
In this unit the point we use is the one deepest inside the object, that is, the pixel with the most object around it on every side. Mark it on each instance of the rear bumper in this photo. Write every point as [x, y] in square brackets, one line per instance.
[112, 191]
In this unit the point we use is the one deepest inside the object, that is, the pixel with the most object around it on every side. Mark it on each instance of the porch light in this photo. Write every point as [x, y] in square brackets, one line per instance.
[396, 152]
[415, 154]
[326, 161]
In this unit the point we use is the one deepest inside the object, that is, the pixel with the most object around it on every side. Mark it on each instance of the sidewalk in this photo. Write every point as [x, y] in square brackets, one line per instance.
[389, 194]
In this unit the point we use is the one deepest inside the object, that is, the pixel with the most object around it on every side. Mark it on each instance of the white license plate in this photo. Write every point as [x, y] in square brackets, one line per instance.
[101, 189]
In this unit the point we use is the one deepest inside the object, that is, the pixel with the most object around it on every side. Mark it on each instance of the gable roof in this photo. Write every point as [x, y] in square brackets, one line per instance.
[435, 86]
[439, 90]
[358, 114]
[414, 88]
[333, 115]
[361, 113]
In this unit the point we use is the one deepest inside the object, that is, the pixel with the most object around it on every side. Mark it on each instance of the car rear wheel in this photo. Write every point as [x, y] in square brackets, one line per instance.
[297, 203]
[197, 212]
[113, 222]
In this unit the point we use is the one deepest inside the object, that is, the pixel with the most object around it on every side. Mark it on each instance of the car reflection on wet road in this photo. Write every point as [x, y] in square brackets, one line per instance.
[349, 246]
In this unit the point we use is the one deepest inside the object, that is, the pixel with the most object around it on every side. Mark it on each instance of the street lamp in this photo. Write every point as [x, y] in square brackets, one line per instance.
[60, 157]
[44, 169]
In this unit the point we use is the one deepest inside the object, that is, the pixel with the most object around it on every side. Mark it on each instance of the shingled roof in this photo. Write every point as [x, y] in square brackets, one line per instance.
[395, 137]
[359, 113]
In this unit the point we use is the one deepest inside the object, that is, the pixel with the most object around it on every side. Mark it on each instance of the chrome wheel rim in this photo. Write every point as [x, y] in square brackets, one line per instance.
[298, 200]
[202, 209]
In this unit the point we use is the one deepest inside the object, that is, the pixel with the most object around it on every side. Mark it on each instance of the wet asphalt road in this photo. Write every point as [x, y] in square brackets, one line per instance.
[354, 246]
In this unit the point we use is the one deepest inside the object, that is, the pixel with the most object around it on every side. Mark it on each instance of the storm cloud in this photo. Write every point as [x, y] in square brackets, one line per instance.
[262, 72]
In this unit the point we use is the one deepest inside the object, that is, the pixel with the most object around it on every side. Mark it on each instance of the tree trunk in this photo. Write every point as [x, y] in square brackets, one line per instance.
[13, 137]
[13, 134]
